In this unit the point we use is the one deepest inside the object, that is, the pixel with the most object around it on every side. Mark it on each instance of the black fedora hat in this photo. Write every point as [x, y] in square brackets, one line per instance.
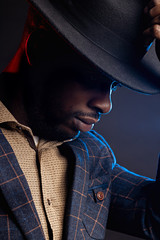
[108, 33]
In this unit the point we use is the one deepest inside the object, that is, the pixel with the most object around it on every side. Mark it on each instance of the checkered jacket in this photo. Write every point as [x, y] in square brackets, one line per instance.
[103, 194]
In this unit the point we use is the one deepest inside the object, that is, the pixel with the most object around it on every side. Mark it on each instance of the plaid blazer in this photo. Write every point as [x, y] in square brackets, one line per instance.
[103, 194]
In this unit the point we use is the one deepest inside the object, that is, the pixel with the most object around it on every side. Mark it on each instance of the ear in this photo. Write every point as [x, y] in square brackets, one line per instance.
[39, 47]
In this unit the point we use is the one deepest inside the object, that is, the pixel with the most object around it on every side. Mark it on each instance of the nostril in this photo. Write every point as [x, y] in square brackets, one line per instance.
[97, 110]
[102, 105]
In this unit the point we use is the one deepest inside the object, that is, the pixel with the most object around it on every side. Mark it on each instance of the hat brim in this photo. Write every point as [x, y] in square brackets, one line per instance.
[144, 76]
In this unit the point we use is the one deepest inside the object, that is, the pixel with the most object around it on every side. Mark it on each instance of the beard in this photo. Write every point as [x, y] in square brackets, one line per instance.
[50, 108]
[46, 116]
[50, 123]
[50, 132]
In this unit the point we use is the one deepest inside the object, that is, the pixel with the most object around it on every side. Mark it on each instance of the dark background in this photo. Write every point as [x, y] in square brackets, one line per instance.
[132, 128]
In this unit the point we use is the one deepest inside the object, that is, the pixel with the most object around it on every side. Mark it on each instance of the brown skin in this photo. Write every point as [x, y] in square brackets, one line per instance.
[60, 93]
[152, 31]
[65, 101]
[58, 105]
[58, 102]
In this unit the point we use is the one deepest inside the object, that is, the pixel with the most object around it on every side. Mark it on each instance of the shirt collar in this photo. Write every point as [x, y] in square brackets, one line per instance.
[7, 117]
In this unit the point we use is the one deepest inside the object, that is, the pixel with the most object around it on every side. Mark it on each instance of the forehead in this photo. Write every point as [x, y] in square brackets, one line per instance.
[54, 56]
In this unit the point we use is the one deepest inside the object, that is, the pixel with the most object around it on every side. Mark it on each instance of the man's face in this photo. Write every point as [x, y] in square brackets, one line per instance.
[66, 97]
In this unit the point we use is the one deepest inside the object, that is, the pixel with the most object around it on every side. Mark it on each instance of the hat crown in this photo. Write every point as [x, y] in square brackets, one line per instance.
[114, 25]
[127, 13]
[108, 33]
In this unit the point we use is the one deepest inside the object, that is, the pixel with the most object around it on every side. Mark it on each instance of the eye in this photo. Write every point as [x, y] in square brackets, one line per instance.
[115, 85]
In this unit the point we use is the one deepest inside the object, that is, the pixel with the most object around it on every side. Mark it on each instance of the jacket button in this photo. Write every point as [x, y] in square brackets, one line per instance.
[100, 196]
[19, 128]
[49, 202]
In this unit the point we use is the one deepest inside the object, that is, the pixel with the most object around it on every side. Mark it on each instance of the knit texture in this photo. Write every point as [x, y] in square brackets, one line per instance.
[53, 169]
[53, 172]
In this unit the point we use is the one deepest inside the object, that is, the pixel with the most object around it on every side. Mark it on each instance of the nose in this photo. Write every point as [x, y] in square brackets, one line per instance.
[101, 102]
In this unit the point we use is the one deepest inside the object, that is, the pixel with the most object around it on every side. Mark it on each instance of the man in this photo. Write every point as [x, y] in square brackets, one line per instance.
[59, 179]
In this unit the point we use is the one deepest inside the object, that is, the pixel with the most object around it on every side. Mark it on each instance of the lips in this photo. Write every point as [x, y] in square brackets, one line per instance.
[88, 120]
[85, 124]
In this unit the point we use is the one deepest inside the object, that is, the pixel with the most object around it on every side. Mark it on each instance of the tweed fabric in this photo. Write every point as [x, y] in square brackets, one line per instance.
[26, 158]
[53, 175]
[130, 203]
[18, 197]
[53, 172]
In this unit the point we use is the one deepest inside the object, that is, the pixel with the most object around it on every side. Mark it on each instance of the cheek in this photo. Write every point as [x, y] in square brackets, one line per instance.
[66, 99]
[73, 96]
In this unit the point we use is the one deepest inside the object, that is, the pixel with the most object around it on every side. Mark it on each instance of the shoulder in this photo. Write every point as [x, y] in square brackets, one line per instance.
[97, 144]
[94, 138]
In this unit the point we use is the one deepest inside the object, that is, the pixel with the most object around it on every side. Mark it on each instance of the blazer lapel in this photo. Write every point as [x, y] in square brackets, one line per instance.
[86, 213]
[78, 194]
[16, 192]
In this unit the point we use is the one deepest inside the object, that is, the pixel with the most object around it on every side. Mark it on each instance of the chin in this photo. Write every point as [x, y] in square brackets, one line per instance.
[54, 133]
[64, 134]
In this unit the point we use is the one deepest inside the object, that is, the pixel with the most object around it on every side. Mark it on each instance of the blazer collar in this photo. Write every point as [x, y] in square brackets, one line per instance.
[15, 190]
[77, 196]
